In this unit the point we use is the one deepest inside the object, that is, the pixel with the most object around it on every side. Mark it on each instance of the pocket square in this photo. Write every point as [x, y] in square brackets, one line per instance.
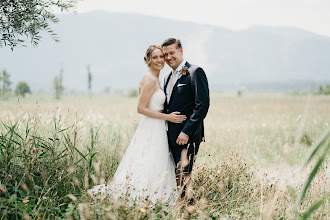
[181, 85]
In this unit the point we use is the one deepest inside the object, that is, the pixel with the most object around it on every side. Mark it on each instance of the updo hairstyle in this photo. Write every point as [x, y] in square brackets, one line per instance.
[147, 56]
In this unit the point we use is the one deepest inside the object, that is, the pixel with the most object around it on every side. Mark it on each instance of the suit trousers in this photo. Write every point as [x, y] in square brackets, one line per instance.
[191, 150]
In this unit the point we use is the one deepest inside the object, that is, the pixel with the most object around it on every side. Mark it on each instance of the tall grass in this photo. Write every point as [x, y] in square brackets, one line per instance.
[38, 172]
[322, 144]
[52, 152]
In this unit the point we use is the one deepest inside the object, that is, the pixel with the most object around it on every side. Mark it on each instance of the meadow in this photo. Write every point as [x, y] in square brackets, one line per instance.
[250, 166]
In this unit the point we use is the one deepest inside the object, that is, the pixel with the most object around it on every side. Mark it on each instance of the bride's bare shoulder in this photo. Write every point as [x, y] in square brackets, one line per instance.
[148, 79]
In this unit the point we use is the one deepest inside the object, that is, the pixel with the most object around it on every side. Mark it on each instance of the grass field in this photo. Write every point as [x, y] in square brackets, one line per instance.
[250, 166]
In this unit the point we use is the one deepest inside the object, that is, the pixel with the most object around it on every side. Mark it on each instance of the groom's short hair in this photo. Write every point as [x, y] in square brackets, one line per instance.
[170, 41]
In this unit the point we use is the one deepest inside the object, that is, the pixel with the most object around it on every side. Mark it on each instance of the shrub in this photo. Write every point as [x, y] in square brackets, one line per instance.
[22, 88]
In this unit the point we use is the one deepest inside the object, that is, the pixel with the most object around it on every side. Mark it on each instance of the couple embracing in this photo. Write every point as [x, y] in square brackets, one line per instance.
[159, 159]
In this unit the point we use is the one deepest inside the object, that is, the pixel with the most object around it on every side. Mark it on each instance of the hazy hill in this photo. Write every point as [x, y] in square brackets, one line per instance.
[114, 45]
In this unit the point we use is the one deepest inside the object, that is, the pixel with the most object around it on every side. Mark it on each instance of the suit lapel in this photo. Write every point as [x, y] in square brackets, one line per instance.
[166, 82]
[165, 86]
[187, 65]
[177, 82]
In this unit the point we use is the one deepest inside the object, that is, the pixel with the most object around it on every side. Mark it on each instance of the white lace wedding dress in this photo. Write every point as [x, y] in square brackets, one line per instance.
[147, 169]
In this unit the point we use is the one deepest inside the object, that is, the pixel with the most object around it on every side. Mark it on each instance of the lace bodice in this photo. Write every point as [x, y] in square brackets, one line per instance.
[157, 101]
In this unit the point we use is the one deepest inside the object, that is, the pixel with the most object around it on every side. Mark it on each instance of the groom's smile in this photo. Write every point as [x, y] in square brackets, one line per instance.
[173, 56]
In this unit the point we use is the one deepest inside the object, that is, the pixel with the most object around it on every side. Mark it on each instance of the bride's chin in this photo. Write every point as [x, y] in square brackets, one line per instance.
[158, 68]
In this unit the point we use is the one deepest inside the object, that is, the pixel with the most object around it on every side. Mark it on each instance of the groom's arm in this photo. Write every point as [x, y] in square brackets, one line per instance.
[202, 102]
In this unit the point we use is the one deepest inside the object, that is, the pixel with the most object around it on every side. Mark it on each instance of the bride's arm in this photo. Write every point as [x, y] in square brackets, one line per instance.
[146, 91]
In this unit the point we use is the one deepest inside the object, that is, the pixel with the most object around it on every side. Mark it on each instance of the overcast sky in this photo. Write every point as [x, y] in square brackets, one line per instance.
[312, 15]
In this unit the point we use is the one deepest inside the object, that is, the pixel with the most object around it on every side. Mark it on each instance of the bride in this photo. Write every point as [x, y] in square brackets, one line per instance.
[147, 169]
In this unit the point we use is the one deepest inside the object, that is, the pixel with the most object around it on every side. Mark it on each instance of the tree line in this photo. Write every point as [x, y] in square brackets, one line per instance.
[323, 89]
[22, 88]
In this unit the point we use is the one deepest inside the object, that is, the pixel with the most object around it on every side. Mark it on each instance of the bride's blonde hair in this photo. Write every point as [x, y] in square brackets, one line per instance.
[147, 56]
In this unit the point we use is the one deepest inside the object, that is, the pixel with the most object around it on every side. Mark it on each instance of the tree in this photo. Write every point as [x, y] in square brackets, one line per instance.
[320, 90]
[61, 82]
[323, 90]
[5, 87]
[132, 93]
[58, 85]
[25, 19]
[89, 75]
[22, 88]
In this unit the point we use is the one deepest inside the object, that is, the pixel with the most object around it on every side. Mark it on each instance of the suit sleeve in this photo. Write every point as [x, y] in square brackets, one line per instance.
[200, 88]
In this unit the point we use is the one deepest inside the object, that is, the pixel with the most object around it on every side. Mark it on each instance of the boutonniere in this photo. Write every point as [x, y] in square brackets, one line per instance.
[183, 71]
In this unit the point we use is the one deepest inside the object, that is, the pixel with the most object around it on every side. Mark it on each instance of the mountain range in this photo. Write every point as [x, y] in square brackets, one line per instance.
[114, 44]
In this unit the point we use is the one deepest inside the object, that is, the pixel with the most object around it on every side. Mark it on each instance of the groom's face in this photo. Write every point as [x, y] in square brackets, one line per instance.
[173, 55]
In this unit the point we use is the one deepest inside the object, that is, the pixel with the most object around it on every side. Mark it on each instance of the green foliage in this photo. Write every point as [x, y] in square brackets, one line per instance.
[322, 144]
[132, 93]
[22, 88]
[37, 173]
[58, 85]
[27, 18]
[5, 83]
[44, 166]
[314, 207]
[89, 76]
[323, 90]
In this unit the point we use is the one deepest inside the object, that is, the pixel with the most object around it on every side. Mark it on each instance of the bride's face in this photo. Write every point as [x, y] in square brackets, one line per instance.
[157, 60]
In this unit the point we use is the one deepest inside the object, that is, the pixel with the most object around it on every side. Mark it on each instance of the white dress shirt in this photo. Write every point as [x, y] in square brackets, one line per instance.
[176, 79]
[176, 75]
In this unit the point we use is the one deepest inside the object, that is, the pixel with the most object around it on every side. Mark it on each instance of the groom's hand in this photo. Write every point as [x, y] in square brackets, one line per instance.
[182, 139]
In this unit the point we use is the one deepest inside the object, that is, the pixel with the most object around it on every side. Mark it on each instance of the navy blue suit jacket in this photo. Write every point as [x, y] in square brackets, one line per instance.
[190, 97]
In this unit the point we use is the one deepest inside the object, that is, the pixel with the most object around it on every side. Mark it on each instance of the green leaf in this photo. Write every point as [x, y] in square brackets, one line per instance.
[314, 207]
[12, 198]
[317, 146]
[69, 210]
[65, 129]
[311, 176]
[82, 155]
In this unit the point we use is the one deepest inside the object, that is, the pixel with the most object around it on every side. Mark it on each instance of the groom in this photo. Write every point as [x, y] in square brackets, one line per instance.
[186, 90]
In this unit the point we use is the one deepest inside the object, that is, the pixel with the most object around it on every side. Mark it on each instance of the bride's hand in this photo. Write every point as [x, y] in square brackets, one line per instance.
[175, 117]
